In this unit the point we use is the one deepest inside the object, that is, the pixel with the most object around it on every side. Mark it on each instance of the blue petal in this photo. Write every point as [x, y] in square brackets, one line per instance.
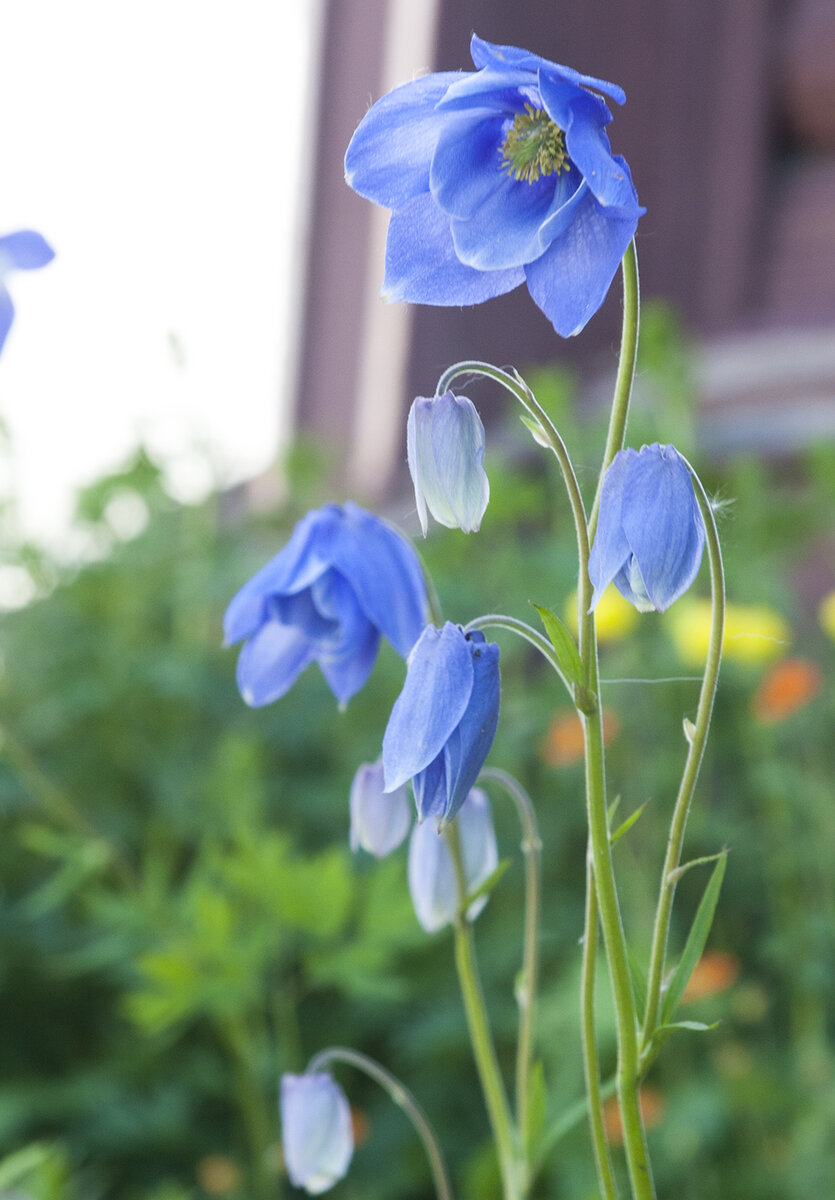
[422, 266]
[316, 1131]
[385, 574]
[347, 657]
[504, 91]
[24, 251]
[439, 682]
[429, 786]
[610, 549]
[487, 54]
[583, 117]
[662, 523]
[300, 609]
[469, 744]
[271, 662]
[305, 557]
[467, 163]
[379, 820]
[479, 849]
[388, 158]
[432, 883]
[510, 227]
[6, 315]
[570, 280]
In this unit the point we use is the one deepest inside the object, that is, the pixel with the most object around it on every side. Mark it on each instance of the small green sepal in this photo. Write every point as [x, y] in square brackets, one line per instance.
[568, 656]
[626, 825]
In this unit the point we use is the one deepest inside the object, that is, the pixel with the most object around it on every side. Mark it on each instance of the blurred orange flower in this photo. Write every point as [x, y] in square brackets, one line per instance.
[218, 1174]
[786, 686]
[714, 972]
[651, 1103]
[563, 743]
[360, 1126]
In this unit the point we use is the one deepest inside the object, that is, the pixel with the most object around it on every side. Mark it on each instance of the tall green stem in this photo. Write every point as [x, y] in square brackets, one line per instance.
[698, 739]
[527, 986]
[403, 1098]
[495, 1098]
[614, 937]
[591, 1061]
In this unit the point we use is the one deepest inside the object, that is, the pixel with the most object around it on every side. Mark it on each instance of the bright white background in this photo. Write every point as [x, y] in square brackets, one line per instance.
[157, 146]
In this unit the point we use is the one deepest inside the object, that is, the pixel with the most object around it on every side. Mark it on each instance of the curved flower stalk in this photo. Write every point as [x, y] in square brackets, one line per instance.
[344, 578]
[22, 251]
[650, 534]
[443, 722]
[445, 449]
[317, 1133]
[495, 178]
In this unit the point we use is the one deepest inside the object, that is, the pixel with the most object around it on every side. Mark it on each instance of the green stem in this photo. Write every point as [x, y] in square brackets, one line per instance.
[614, 937]
[255, 1114]
[403, 1098]
[626, 371]
[591, 1061]
[481, 1038]
[527, 986]
[690, 775]
[528, 633]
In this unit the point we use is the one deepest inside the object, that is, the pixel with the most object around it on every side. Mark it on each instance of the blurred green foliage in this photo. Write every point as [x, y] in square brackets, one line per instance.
[182, 920]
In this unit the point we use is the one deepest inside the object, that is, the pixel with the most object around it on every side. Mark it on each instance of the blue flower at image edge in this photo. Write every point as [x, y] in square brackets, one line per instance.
[495, 178]
[22, 251]
[443, 722]
[344, 578]
[317, 1131]
[650, 533]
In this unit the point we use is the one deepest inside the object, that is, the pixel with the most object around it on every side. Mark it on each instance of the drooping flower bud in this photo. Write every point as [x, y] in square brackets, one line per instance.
[379, 820]
[650, 535]
[317, 1134]
[432, 880]
[445, 447]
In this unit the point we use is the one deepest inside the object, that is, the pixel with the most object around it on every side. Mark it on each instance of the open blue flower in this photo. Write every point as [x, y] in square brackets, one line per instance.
[344, 578]
[22, 251]
[317, 1133]
[445, 446]
[650, 533]
[495, 178]
[443, 722]
[432, 880]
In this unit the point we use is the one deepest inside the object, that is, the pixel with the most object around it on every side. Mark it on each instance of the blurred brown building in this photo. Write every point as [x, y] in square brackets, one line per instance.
[729, 130]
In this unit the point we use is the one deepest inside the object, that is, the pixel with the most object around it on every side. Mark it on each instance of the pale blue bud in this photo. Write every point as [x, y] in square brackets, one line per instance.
[379, 820]
[445, 448]
[317, 1134]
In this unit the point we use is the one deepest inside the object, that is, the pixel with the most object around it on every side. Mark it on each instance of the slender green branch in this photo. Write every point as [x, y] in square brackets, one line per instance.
[481, 1037]
[626, 370]
[591, 1061]
[403, 1098]
[525, 631]
[690, 775]
[527, 986]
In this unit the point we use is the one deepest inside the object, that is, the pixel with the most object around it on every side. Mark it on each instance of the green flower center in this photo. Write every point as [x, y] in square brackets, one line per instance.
[534, 146]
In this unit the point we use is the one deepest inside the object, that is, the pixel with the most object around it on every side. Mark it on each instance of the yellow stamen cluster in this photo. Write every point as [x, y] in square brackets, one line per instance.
[534, 146]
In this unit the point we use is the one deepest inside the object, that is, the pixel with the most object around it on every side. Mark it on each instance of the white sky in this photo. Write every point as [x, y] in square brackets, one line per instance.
[156, 146]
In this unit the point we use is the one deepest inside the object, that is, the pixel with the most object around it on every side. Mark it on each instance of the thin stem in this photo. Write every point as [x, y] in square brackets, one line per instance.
[255, 1114]
[481, 1037]
[602, 866]
[591, 1061]
[690, 775]
[525, 631]
[403, 1098]
[527, 986]
[626, 370]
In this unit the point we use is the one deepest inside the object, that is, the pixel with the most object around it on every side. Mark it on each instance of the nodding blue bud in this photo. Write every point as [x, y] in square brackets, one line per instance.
[317, 1133]
[445, 447]
[432, 880]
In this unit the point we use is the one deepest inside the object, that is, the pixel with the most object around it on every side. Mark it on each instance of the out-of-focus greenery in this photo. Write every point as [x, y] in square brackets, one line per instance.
[182, 919]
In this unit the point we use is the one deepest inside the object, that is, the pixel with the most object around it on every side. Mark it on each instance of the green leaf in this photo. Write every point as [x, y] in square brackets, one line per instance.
[568, 656]
[485, 888]
[696, 941]
[664, 1031]
[626, 825]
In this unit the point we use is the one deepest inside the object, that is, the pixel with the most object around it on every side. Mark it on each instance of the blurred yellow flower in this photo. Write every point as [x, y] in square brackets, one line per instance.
[826, 614]
[753, 633]
[614, 616]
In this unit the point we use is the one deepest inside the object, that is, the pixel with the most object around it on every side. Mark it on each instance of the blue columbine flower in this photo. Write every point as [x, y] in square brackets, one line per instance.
[379, 820]
[23, 251]
[445, 446]
[498, 177]
[432, 880]
[650, 534]
[344, 578]
[317, 1134]
[443, 722]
